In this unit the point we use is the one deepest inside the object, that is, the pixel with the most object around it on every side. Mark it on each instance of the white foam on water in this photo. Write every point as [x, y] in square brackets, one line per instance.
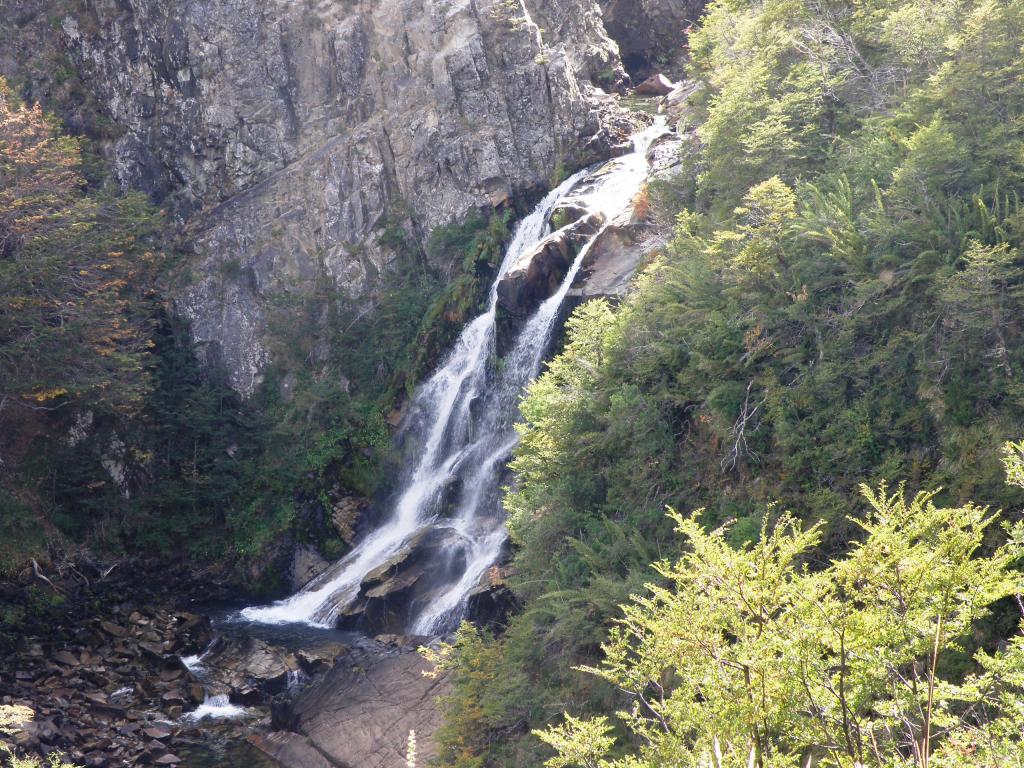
[216, 708]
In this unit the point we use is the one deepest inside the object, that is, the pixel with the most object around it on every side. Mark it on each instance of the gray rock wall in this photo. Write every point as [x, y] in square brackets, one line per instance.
[284, 133]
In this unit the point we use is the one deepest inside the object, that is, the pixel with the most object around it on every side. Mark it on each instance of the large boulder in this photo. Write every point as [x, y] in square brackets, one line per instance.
[249, 670]
[655, 85]
[320, 656]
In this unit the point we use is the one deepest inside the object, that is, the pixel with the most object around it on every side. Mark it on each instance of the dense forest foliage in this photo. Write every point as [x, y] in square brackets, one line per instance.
[841, 303]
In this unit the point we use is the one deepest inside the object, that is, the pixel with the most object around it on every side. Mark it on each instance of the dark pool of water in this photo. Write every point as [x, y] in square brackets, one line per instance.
[223, 751]
[292, 637]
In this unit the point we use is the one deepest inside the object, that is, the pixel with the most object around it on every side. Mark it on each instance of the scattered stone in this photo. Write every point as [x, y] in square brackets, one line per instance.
[79, 677]
[64, 657]
[113, 629]
[153, 648]
[169, 675]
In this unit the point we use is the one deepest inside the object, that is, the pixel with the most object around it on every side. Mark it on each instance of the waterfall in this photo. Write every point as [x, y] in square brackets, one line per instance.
[462, 422]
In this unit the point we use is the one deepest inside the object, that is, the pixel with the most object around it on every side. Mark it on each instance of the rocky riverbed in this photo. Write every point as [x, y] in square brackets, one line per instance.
[118, 676]
[98, 660]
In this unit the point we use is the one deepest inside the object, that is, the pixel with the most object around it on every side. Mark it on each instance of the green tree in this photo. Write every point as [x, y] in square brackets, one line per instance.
[750, 658]
[74, 267]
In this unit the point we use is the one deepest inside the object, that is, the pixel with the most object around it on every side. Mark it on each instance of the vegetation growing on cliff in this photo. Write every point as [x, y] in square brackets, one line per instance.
[76, 264]
[841, 302]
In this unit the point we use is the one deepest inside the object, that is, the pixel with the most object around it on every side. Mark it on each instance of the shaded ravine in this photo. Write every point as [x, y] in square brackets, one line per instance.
[460, 431]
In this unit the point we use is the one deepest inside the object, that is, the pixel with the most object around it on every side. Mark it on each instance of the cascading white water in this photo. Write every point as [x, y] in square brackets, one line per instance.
[440, 410]
[462, 420]
[216, 706]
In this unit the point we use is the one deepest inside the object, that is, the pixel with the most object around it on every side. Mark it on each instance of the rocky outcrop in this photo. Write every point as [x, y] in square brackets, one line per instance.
[304, 143]
[676, 103]
[491, 602]
[346, 514]
[307, 564]
[538, 273]
[391, 593]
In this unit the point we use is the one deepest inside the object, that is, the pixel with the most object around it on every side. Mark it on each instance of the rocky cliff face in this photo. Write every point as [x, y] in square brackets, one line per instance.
[289, 136]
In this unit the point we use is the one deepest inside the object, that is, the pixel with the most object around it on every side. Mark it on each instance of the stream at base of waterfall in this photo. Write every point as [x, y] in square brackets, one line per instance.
[459, 431]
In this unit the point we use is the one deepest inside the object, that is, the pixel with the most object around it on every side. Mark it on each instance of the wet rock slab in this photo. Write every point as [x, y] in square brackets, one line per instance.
[289, 749]
[538, 273]
[624, 244]
[360, 713]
